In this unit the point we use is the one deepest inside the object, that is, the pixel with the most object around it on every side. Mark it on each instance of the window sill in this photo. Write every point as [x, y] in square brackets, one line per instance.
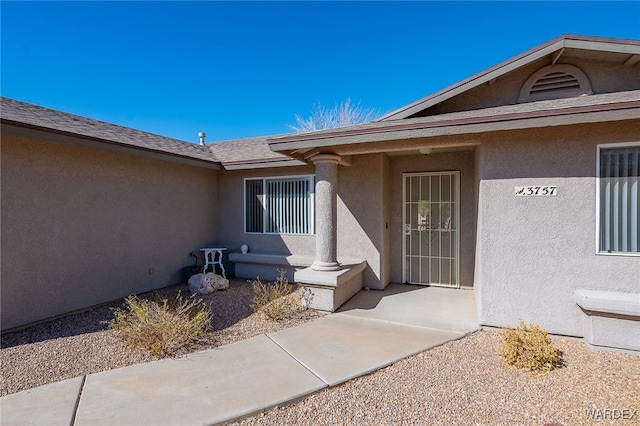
[279, 234]
[622, 254]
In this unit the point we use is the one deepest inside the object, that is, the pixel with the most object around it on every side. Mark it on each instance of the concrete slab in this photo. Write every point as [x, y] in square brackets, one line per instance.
[338, 347]
[422, 306]
[204, 388]
[52, 404]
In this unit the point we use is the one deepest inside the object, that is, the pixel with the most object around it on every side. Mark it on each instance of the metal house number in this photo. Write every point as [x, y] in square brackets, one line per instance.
[536, 191]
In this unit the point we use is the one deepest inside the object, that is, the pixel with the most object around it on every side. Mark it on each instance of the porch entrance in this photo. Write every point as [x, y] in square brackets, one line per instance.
[431, 211]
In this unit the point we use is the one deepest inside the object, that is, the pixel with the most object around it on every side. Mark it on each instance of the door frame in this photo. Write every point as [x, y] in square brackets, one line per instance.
[456, 213]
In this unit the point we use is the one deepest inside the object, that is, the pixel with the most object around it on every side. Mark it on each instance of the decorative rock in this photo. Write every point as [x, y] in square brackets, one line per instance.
[220, 283]
[207, 283]
[201, 283]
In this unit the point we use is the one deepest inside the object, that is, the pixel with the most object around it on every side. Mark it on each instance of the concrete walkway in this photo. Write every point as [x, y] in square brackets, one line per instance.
[373, 330]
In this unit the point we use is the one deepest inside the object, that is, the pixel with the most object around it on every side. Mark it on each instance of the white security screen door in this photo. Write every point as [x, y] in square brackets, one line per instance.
[431, 216]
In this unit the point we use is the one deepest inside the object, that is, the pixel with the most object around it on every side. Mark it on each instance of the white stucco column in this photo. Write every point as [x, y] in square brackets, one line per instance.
[326, 212]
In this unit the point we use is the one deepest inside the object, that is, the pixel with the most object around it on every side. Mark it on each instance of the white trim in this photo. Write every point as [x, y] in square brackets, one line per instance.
[264, 179]
[599, 148]
[456, 200]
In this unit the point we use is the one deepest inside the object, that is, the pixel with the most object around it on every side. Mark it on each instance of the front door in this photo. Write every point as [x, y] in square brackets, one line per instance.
[431, 236]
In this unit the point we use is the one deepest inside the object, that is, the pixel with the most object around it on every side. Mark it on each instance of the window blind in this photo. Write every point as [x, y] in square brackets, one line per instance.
[619, 200]
[279, 205]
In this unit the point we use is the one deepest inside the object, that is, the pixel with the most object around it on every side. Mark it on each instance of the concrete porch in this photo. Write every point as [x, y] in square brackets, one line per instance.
[421, 306]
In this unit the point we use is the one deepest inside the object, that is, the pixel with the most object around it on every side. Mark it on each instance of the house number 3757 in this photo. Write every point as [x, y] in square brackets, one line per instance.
[540, 191]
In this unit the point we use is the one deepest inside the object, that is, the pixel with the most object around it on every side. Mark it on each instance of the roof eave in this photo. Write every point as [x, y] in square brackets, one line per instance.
[262, 164]
[30, 130]
[399, 131]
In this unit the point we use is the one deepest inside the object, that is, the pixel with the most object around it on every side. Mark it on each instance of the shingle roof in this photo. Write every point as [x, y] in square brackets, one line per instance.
[33, 116]
[250, 152]
[618, 101]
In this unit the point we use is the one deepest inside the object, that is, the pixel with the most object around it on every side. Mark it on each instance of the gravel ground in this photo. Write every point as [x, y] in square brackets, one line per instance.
[460, 383]
[465, 383]
[80, 344]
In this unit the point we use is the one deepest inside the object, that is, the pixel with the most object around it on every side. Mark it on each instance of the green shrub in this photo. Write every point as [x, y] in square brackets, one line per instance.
[271, 299]
[529, 347]
[162, 327]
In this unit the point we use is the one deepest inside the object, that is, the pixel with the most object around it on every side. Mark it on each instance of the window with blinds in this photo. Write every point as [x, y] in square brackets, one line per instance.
[619, 190]
[282, 205]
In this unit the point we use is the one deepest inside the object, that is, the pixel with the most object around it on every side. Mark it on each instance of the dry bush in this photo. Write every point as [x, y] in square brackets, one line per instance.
[271, 299]
[529, 347]
[162, 327]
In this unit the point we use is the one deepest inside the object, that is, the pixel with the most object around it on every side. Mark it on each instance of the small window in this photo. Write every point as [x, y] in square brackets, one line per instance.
[619, 199]
[282, 205]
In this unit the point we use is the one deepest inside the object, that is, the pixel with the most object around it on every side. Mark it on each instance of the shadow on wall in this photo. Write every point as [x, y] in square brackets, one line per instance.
[558, 152]
[83, 226]
[361, 215]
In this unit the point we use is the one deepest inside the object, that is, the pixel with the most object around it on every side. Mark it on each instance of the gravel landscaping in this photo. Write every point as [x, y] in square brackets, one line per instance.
[462, 382]
[79, 344]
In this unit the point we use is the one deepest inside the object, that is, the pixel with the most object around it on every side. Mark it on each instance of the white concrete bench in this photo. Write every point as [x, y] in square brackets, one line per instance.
[612, 318]
[267, 266]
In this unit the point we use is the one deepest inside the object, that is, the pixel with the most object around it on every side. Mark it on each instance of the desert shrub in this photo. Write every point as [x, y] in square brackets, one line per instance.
[271, 298]
[162, 327]
[529, 347]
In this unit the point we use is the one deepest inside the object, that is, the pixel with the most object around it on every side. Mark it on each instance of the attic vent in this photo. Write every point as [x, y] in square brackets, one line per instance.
[555, 82]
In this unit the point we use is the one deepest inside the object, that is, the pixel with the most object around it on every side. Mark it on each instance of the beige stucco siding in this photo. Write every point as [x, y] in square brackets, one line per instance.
[363, 214]
[83, 226]
[533, 252]
[230, 222]
[462, 161]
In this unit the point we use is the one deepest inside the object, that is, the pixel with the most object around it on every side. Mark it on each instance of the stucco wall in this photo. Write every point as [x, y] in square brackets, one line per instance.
[462, 161]
[533, 252]
[82, 226]
[230, 223]
[361, 215]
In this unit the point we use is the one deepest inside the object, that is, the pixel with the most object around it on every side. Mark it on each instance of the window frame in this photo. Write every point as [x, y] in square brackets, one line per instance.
[264, 179]
[601, 147]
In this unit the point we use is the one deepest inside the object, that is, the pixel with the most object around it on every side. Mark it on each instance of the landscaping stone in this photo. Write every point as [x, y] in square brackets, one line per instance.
[207, 283]
[220, 283]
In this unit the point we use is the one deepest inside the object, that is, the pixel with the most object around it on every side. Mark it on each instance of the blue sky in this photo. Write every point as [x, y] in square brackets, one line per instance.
[240, 69]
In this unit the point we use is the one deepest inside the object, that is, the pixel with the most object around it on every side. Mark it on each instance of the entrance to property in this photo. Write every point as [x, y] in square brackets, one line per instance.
[431, 211]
